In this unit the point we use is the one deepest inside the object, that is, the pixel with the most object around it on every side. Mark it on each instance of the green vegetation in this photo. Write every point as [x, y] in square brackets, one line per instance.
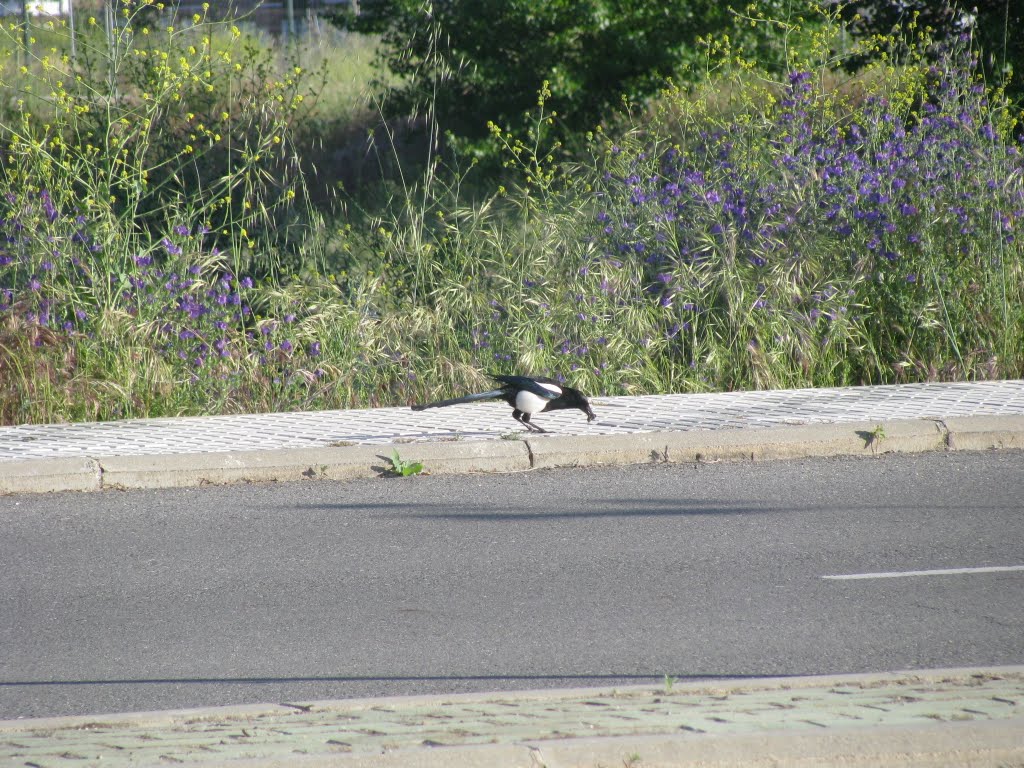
[401, 467]
[993, 25]
[173, 239]
[470, 62]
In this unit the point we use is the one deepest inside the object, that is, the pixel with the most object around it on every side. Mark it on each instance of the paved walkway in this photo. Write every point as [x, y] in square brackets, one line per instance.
[616, 416]
[339, 445]
[951, 717]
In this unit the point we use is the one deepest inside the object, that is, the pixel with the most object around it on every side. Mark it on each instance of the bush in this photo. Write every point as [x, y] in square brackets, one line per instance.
[820, 231]
[749, 231]
[466, 62]
[826, 242]
[152, 123]
[139, 182]
[989, 22]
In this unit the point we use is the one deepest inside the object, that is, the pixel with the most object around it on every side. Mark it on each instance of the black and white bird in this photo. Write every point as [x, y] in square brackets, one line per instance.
[527, 395]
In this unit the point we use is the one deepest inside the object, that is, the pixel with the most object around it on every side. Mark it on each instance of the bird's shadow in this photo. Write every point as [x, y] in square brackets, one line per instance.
[871, 438]
[606, 509]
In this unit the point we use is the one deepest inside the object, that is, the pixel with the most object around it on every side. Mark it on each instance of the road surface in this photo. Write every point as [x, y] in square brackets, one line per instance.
[143, 600]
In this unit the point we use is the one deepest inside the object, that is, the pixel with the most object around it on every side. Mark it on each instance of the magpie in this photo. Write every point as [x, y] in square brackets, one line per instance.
[527, 395]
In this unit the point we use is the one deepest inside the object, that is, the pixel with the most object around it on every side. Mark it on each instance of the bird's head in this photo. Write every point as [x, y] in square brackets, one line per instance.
[588, 410]
[583, 404]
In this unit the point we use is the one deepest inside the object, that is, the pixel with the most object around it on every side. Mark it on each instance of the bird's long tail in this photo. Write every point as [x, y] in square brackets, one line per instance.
[494, 393]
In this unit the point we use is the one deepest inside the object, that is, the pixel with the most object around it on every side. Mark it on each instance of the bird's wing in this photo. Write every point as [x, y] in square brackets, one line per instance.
[541, 387]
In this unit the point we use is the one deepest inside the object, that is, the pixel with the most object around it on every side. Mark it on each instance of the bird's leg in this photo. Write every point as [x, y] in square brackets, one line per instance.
[524, 419]
[532, 427]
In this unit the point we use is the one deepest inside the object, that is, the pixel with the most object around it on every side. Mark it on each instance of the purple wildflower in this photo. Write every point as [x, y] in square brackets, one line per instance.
[48, 207]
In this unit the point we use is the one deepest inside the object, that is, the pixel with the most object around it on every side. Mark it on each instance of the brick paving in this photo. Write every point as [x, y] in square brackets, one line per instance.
[616, 416]
[373, 727]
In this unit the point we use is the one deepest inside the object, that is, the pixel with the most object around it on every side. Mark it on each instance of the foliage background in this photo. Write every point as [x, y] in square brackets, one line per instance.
[195, 218]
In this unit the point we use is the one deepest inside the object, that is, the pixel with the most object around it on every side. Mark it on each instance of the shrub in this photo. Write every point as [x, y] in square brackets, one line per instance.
[749, 231]
[469, 62]
[170, 328]
[828, 242]
[152, 123]
[139, 182]
[818, 231]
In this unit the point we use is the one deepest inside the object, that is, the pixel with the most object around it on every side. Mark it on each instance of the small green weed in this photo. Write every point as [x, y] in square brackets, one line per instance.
[402, 468]
[874, 438]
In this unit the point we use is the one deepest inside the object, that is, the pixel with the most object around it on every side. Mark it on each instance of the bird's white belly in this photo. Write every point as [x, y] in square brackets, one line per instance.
[527, 402]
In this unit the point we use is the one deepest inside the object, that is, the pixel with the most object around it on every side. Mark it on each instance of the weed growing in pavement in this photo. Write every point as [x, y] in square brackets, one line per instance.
[402, 468]
[874, 438]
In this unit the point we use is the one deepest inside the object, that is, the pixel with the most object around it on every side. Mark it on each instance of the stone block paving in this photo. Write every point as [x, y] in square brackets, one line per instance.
[387, 725]
[616, 416]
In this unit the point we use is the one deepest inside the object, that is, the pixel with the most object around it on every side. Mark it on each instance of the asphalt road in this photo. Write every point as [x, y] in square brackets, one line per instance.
[278, 593]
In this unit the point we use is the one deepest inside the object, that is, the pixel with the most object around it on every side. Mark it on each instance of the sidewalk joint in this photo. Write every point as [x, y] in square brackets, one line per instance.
[529, 453]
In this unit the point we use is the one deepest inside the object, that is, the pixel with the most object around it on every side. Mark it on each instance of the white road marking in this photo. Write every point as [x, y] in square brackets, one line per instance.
[937, 572]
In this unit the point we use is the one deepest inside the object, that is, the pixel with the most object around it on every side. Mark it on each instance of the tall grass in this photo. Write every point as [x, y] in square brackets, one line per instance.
[158, 254]
[819, 231]
[140, 180]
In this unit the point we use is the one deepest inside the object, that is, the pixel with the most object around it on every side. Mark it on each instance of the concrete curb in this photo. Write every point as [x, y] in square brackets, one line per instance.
[715, 687]
[953, 738]
[854, 439]
[342, 463]
[46, 475]
[939, 745]
[979, 433]
[534, 452]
